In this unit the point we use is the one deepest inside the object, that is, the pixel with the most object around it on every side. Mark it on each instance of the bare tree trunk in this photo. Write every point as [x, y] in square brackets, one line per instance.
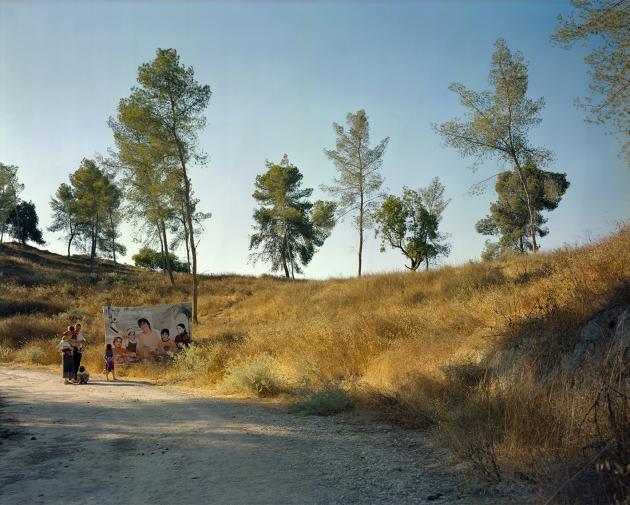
[361, 211]
[2, 233]
[426, 262]
[188, 211]
[113, 231]
[530, 207]
[284, 256]
[186, 234]
[167, 257]
[93, 246]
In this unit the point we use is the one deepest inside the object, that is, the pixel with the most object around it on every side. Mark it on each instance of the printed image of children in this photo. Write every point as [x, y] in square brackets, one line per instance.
[119, 350]
[133, 345]
[165, 344]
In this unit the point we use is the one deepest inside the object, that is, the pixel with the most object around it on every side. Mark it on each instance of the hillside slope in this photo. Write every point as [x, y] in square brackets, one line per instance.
[519, 365]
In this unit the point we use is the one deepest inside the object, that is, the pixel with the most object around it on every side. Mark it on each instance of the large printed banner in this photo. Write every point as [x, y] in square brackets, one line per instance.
[138, 333]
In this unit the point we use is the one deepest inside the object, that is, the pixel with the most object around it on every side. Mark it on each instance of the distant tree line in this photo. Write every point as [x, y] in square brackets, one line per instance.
[146, 178]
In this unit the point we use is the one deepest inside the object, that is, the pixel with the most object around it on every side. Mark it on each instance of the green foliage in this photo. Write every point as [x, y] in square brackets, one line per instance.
[289, 227]
[355, 189]
[23, 223]
[156, 135]
[10, 189]
[498, 122]
[331, 398]
[150, 258]
[93, 203]
[65, 213]
[509, 216]
[406, 224]
[604, 25]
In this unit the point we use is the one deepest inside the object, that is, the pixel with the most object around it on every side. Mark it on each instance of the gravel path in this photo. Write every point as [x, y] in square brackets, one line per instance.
[132, 443]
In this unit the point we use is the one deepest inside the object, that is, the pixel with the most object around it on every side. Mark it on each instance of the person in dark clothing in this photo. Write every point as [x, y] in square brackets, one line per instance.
[77, 340]
[66, 357]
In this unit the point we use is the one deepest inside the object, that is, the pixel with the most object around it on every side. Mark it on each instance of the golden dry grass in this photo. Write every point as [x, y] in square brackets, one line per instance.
[476, 352]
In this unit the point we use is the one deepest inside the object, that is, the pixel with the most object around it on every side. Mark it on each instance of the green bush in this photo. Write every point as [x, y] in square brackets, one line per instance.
[256, 375]
[330, 399]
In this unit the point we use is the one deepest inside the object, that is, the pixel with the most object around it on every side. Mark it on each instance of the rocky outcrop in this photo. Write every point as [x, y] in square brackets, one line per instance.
[604, 335]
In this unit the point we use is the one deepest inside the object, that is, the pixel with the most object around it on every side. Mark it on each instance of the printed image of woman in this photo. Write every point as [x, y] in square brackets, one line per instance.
[148, 337]
[182, 339]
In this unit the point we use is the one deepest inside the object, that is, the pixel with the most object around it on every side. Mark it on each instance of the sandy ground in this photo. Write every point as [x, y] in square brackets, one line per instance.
[131, 443]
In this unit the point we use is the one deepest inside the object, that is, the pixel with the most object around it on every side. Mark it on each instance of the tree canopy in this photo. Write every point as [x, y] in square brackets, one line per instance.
[159, 123]
[356, 187]
[289, 228]
[24, 224]
[509, 218]
[604, 25]
[407, 223]
[498, 123]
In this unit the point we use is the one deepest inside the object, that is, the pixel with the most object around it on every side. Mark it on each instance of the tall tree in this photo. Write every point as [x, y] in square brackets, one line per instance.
[605, 26]
[94, 192]
[498, 122]
[149, 258]
[289, 228]
[432, 198]
[166, 110]
[113, 219]
[10, 189]
[355, 189]
[65, 214]
[509, 218]
[404, 223]
[23, 224]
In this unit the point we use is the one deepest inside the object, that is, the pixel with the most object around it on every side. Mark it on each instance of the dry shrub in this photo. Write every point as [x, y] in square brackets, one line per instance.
[257, 375]
[12, 307]
[199, 363]
[38, 352]
[478, 352]
[18, 330]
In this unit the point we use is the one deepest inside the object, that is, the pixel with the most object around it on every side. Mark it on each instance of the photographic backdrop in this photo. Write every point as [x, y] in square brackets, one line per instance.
[156, 331]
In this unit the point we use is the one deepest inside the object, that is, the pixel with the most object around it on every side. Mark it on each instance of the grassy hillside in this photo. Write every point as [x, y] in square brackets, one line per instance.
[519, 365]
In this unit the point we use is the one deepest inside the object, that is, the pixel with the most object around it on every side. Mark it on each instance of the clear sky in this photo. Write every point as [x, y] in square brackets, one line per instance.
[281, 73]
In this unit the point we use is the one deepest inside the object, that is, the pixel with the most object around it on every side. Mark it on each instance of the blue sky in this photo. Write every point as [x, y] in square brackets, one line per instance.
[281, 73]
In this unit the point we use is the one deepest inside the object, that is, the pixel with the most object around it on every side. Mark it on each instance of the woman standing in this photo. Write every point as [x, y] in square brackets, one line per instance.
[66, 357]
[77, 340]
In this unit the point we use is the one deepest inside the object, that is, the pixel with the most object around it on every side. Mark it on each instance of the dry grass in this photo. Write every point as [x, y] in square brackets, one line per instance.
[477, 353]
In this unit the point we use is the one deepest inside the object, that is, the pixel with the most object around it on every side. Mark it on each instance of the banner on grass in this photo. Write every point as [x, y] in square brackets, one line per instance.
[138, 333]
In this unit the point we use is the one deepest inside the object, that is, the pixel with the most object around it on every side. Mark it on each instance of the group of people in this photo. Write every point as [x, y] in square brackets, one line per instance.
[140, 344]
[71, 349]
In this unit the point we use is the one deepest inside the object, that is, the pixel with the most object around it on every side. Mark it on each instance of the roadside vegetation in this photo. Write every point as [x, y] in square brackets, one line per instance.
[492, 357]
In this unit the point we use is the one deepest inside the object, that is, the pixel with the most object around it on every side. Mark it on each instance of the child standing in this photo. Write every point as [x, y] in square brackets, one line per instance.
[109, 362]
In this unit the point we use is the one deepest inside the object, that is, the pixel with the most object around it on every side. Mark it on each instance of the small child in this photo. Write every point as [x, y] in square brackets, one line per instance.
[83, 377]
[109, 362]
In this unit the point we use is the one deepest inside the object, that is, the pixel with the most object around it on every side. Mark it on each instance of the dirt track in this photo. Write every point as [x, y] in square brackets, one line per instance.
[129, 443]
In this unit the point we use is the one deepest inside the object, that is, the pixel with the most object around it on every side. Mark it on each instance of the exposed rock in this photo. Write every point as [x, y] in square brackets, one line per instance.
[608, 329]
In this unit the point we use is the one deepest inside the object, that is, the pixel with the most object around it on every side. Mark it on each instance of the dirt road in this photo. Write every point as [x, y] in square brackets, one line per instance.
[128, 443]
